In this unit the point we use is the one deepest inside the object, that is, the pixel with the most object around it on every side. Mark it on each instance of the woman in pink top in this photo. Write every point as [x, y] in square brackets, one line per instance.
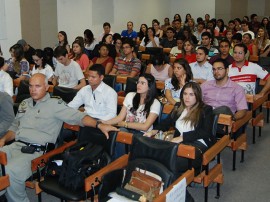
[159, 68]
[80, 57]
[103, 59]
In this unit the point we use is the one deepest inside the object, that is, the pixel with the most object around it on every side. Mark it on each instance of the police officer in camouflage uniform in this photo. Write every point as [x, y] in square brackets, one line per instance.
[38, 121]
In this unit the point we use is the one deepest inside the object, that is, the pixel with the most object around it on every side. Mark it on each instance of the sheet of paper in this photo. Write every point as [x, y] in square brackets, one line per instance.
[178, 193]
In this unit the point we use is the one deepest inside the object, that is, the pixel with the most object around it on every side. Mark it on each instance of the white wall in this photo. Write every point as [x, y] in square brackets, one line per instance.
[13, 26]
[257, 7]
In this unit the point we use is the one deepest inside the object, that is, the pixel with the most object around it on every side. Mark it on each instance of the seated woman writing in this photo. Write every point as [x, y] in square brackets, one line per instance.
[193, 121]
[140, 110]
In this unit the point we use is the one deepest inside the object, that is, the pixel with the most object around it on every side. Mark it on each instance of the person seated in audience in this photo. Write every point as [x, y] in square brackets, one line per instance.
[215, 92]
[104, 59]
[254, 23]
[252, 48]
[41, 65]
[63, 40]
[181, 75]
[142, 33]
[189, 36]
[237, 23]
[169, 41]
[67, 72]
[192, 120]
[206, 19]
[229, 35]
[159, 68]
[117, 41]
[107, 39]
[262, 42]
[127, 65]
[220, 28]
[89, 42]
[39, 122]
[79, 56]
[245, 29]
[177, 27]
[266, 24]
[224, 49]
[245, 73]
[191, 25]
[188, 52]
[150, 40]
[107, 30]
[188, 16]
[206, 42]
[48, 54]
[139, 112]
[166, 24]
[17, 64]
[178, 48]
[158, 30]
[199, 31]
[6, 111]
[129, 33]
[201, 69]
[6, 82]
[28, 51]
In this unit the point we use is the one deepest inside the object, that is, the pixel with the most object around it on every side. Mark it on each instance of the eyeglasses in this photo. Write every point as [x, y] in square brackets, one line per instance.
[141, 82]
[217, 69]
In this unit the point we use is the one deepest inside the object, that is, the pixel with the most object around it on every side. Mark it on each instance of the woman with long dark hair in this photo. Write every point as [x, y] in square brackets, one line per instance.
[78, 54]
[63, 40]
[150, 40]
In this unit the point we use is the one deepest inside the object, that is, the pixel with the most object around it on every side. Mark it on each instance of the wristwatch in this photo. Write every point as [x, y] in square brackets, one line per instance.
[98, 122]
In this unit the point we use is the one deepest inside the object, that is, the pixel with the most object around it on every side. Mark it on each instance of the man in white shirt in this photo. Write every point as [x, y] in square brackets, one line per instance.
[67, 72]
[6, 83]
[99, 99]
[201, 69]
[245, 29]
[107, 30]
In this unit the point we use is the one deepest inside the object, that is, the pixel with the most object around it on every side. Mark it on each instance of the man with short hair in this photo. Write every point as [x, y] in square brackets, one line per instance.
[245, 29]
[99, 99]
[201, 69]
[169, 41]
[206, 42]
[38, 121]
[224, 92]
[29, 51]
[224, 49]
[127, 65]
[245, 73]
[177, 27]
[129, 33]
[67, 72]
[6, 82]
[107, 30]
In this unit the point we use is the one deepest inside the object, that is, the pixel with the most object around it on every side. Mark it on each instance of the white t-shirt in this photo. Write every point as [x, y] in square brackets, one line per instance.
[70, 75]
[150, 44]
[175, 51]
[47, 71]
[6, 83]
[139, 116]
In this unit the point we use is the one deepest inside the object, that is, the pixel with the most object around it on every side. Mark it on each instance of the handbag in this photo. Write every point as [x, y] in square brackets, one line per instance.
[144, 185]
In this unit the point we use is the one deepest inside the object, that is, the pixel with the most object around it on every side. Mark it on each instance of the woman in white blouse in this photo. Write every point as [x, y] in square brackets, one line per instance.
[150, 40]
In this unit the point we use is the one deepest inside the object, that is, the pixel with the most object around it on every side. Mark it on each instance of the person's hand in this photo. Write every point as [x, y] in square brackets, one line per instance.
[258, 96]
[148, 134]
[2, 142]
[121, 124]
[177, 139]
[105, 128]
[183, 79]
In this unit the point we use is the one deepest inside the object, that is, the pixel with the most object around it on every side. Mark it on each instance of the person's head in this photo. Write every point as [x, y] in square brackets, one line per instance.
[143, 28]
[128, 46]
[229, 34]
[61, 54]
[265, 21]
[262, 33]
[200, 26]
[107, 38]
[38, 86]
[231, 25]
[237, 21]
[247, 38]
[77, 47]
[23, 43]
[130, 25]
[170, 32]
[220, 24]
[177, 24]
[202, 54]
[244, 26]
[207, 17]
[254, 17]
[211, 25]
[151, 32]
[180, 68]
[96, 75]
[88, 36]
[117, 40]
[156, 25]
[180, 42]
[158, 60]
[239, 52]
[237, 38]
[103, 50]
[80, 39]
[206, 39]
[224, 46]
[191, 95]
[188, 47]
[17, 52]
[220, 69]
[39, 58]
[187, 32]
[106, 27]
[166, 21]
[191, 22]
[62, 38]
[48, 53]
[199, 19]
[177, 17]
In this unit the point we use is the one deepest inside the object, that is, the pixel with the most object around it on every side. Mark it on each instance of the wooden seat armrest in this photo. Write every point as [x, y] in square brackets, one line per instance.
[71, 127]
[239, 123]
[167, 50]
[121, 79]
[167, 108]
[96, 177]
[142, 48]
[212, 152]
[3, 158]
[189, 175]
[186, 151]
[256, 103]
[145, 57]
[160, 85]
[124, 137]
[225, 119]
[4, 182]
[120, 100]
[40, 161]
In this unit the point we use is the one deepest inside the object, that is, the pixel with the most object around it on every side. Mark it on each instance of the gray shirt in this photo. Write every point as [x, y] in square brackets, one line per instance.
[42, 122]
[6, 112]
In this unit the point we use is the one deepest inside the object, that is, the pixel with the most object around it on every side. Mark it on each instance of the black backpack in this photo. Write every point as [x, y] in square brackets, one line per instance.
[78, 162]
